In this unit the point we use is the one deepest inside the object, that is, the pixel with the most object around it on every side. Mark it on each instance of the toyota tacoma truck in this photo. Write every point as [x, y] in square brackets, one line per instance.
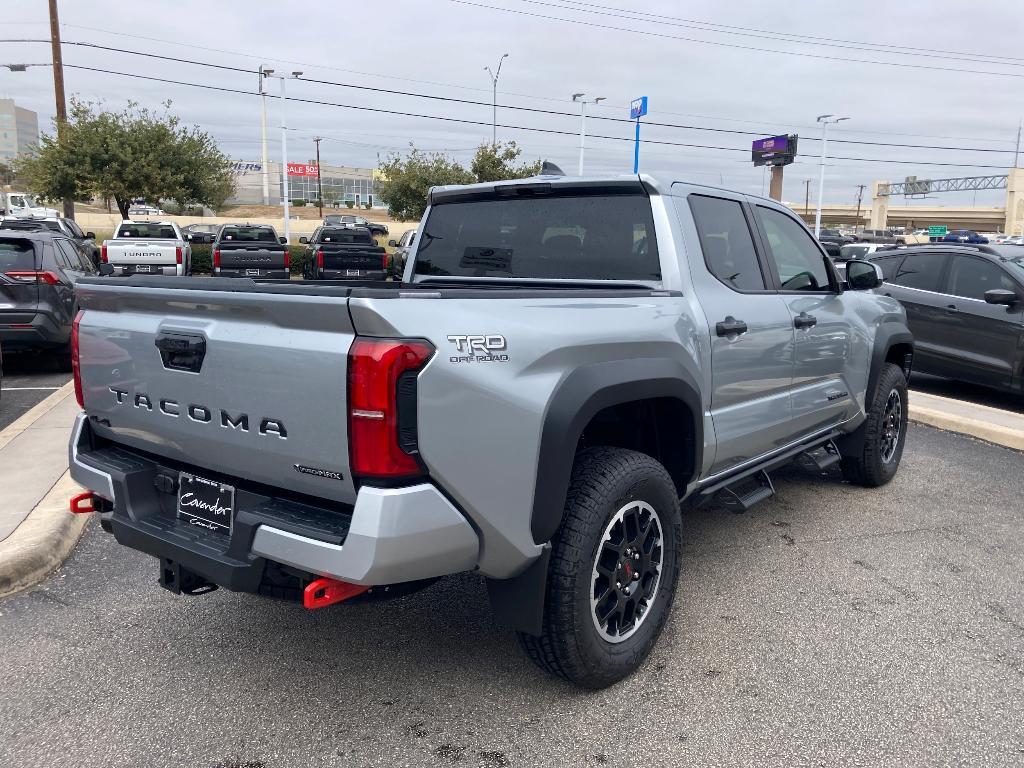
[565, 362]
[250, 250]
[343, 251]
[148, 248]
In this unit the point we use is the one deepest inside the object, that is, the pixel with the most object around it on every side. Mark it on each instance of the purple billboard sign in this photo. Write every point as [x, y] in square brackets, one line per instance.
[774, 150]
[772, 144]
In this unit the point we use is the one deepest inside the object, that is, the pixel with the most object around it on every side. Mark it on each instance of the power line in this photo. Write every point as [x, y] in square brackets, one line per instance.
[666, 36]
[790, 37]
[463, 121]
[471, 102]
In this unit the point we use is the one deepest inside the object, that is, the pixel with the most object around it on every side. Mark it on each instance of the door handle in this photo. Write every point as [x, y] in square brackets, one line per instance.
[952, 308]
[730, 327]
[803, 320]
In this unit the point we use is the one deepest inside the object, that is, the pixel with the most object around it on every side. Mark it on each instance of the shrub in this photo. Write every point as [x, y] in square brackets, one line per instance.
[300, 256]
[349, 204]
[201, 258]
[298, 202]
[367, 206]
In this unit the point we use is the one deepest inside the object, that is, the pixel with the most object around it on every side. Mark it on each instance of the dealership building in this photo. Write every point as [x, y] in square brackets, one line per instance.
[340, 184]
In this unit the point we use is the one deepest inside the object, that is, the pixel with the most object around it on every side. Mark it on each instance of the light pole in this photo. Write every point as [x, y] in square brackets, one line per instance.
[263, 139]
[824, 120]
[284, 144]
[581, 98]
[319, 187]
[494, 98]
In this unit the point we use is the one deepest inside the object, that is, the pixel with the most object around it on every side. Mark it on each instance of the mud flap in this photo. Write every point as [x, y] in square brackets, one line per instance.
[518, 603]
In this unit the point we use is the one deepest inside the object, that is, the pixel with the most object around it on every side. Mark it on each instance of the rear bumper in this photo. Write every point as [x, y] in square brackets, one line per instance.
[276, 273]
[127, 270]
[31, 329]
[390, 535]
[343, 274]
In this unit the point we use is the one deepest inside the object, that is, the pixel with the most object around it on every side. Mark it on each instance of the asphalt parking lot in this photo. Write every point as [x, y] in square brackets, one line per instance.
[832, 625]
[28, 379]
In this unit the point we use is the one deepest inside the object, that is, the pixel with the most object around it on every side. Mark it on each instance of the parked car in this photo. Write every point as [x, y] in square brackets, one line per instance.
[852, 251]
[22, 204]
[560, 370]
[148, 248]
[375, 228]
[965, 307]
[145, 210]
[343, 252]
[832, 240]
[964, 236]
[878, 236]
[403, 246]
[250, 250]
[84, 241]
[39, 271]
[201, 233]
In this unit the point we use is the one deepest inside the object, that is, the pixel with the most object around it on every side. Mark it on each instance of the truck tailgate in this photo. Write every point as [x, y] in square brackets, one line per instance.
[142, 252]
[362, 258]
[250, 385]
[251, 258]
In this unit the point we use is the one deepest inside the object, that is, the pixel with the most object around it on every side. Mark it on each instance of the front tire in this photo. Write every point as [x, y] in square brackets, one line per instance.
[613, 569]
[885, 432]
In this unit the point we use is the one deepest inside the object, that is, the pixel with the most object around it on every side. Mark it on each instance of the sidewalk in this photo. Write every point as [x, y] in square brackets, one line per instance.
[36, 530]
[993, 425]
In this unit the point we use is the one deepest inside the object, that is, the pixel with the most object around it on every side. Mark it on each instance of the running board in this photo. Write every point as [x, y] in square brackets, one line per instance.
[820, 458]
[741, 495]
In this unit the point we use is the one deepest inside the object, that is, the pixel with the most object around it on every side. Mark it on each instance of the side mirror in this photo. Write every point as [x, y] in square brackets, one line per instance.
[393, 243]
[283, 240]
[90, 235]
[304, 240]
[1000, 296]
[106, 270]
[189, 237]
[863, 275]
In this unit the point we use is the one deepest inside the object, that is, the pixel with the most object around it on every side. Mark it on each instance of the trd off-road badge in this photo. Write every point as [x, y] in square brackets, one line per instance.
[489, 348]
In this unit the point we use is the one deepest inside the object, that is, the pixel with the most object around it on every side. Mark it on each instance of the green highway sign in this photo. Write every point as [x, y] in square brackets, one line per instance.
[939, 231]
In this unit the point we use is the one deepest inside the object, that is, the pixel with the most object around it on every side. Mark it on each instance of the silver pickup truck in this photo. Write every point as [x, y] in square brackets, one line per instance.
[564, 363]
[148, 248]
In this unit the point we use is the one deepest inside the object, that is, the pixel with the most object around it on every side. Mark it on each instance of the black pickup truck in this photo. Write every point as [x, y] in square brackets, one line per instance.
[250, 250]
[348, 252]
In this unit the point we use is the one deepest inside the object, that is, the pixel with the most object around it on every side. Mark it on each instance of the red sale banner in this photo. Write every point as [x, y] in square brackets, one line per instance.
[301, 169]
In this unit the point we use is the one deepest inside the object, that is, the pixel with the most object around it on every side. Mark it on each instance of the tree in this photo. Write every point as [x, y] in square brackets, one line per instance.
[403, 183]
[124, 155]
[495, 162]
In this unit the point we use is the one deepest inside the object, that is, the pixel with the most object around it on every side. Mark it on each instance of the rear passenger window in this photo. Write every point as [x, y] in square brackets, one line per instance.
[67, 257]
[727, 243]
[889, 265]
[970, 278]
[798, 259]
[921, 271]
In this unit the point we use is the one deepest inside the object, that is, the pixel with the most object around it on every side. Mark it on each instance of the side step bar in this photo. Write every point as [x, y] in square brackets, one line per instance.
[819, 459]
[745, 492]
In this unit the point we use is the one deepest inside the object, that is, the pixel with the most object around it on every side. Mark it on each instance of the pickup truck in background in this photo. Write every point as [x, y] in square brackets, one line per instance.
[376, 228]
[335, 252]
[250, 250]
[148, 248]
[566, 361]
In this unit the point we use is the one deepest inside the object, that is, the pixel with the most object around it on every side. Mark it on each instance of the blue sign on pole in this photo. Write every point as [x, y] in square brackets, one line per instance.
[637, 109]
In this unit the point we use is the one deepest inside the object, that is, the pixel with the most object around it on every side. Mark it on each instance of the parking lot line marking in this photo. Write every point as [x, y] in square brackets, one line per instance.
[26, 389]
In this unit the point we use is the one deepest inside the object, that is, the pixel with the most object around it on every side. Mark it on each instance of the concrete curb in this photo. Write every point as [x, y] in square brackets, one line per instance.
[33, 415]
[42, 541]
[983, 430]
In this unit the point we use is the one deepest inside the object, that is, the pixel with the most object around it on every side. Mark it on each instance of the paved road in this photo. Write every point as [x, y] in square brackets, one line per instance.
[972, 393]
[830, 626]
[27, 380]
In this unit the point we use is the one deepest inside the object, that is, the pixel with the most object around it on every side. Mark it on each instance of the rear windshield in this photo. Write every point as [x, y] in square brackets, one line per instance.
[16, 255]
[340, 235]
[580, 237]
[848, 252]
[248, 234]
[146, 230]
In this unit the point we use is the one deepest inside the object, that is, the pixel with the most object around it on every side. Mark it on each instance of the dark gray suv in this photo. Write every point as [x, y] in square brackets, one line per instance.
[38, 272]
[965, 307]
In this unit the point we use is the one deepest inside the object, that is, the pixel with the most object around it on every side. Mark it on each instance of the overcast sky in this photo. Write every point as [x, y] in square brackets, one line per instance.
[694, 74]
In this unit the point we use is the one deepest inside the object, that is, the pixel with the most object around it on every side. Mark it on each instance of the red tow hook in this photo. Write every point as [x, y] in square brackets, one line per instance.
[82, 503]
[326, 591]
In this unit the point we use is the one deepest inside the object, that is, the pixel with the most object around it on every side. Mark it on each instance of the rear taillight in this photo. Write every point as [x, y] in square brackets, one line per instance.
[287, 259]
[177, 254]
[382, 406]
[76, 365]
[320, 258]
[216, 258]
[103, 253]
[385, 264]
[50, 278]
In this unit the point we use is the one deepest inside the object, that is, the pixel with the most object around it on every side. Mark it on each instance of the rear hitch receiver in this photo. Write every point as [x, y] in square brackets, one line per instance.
[326, 591]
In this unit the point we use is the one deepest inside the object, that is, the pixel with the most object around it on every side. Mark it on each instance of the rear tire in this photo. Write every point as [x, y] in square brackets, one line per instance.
[885, 432]
[620, 543]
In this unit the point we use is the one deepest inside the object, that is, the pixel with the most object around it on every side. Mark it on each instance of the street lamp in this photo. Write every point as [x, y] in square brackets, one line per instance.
[824, 120]
[494, 99]
[268, 72]
[581, 98]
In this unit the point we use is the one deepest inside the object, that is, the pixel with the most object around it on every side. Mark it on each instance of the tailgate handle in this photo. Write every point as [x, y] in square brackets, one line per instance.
[181, 351]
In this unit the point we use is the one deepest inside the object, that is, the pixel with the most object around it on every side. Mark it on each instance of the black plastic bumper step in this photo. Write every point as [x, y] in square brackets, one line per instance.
[740, 496]
[820, 458]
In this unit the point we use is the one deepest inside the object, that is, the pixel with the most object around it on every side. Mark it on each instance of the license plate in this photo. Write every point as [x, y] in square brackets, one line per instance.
[206, 503]
[142, 268]
[352, 272]
[252, 272]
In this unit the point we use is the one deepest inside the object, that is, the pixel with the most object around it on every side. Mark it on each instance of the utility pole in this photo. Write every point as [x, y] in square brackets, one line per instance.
[860, 196]
[494, 99]
[581, 98]
[58, 89]
[824, 120]
[263, 139]
[807, 197]
[1016, 152]
[319, 189]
